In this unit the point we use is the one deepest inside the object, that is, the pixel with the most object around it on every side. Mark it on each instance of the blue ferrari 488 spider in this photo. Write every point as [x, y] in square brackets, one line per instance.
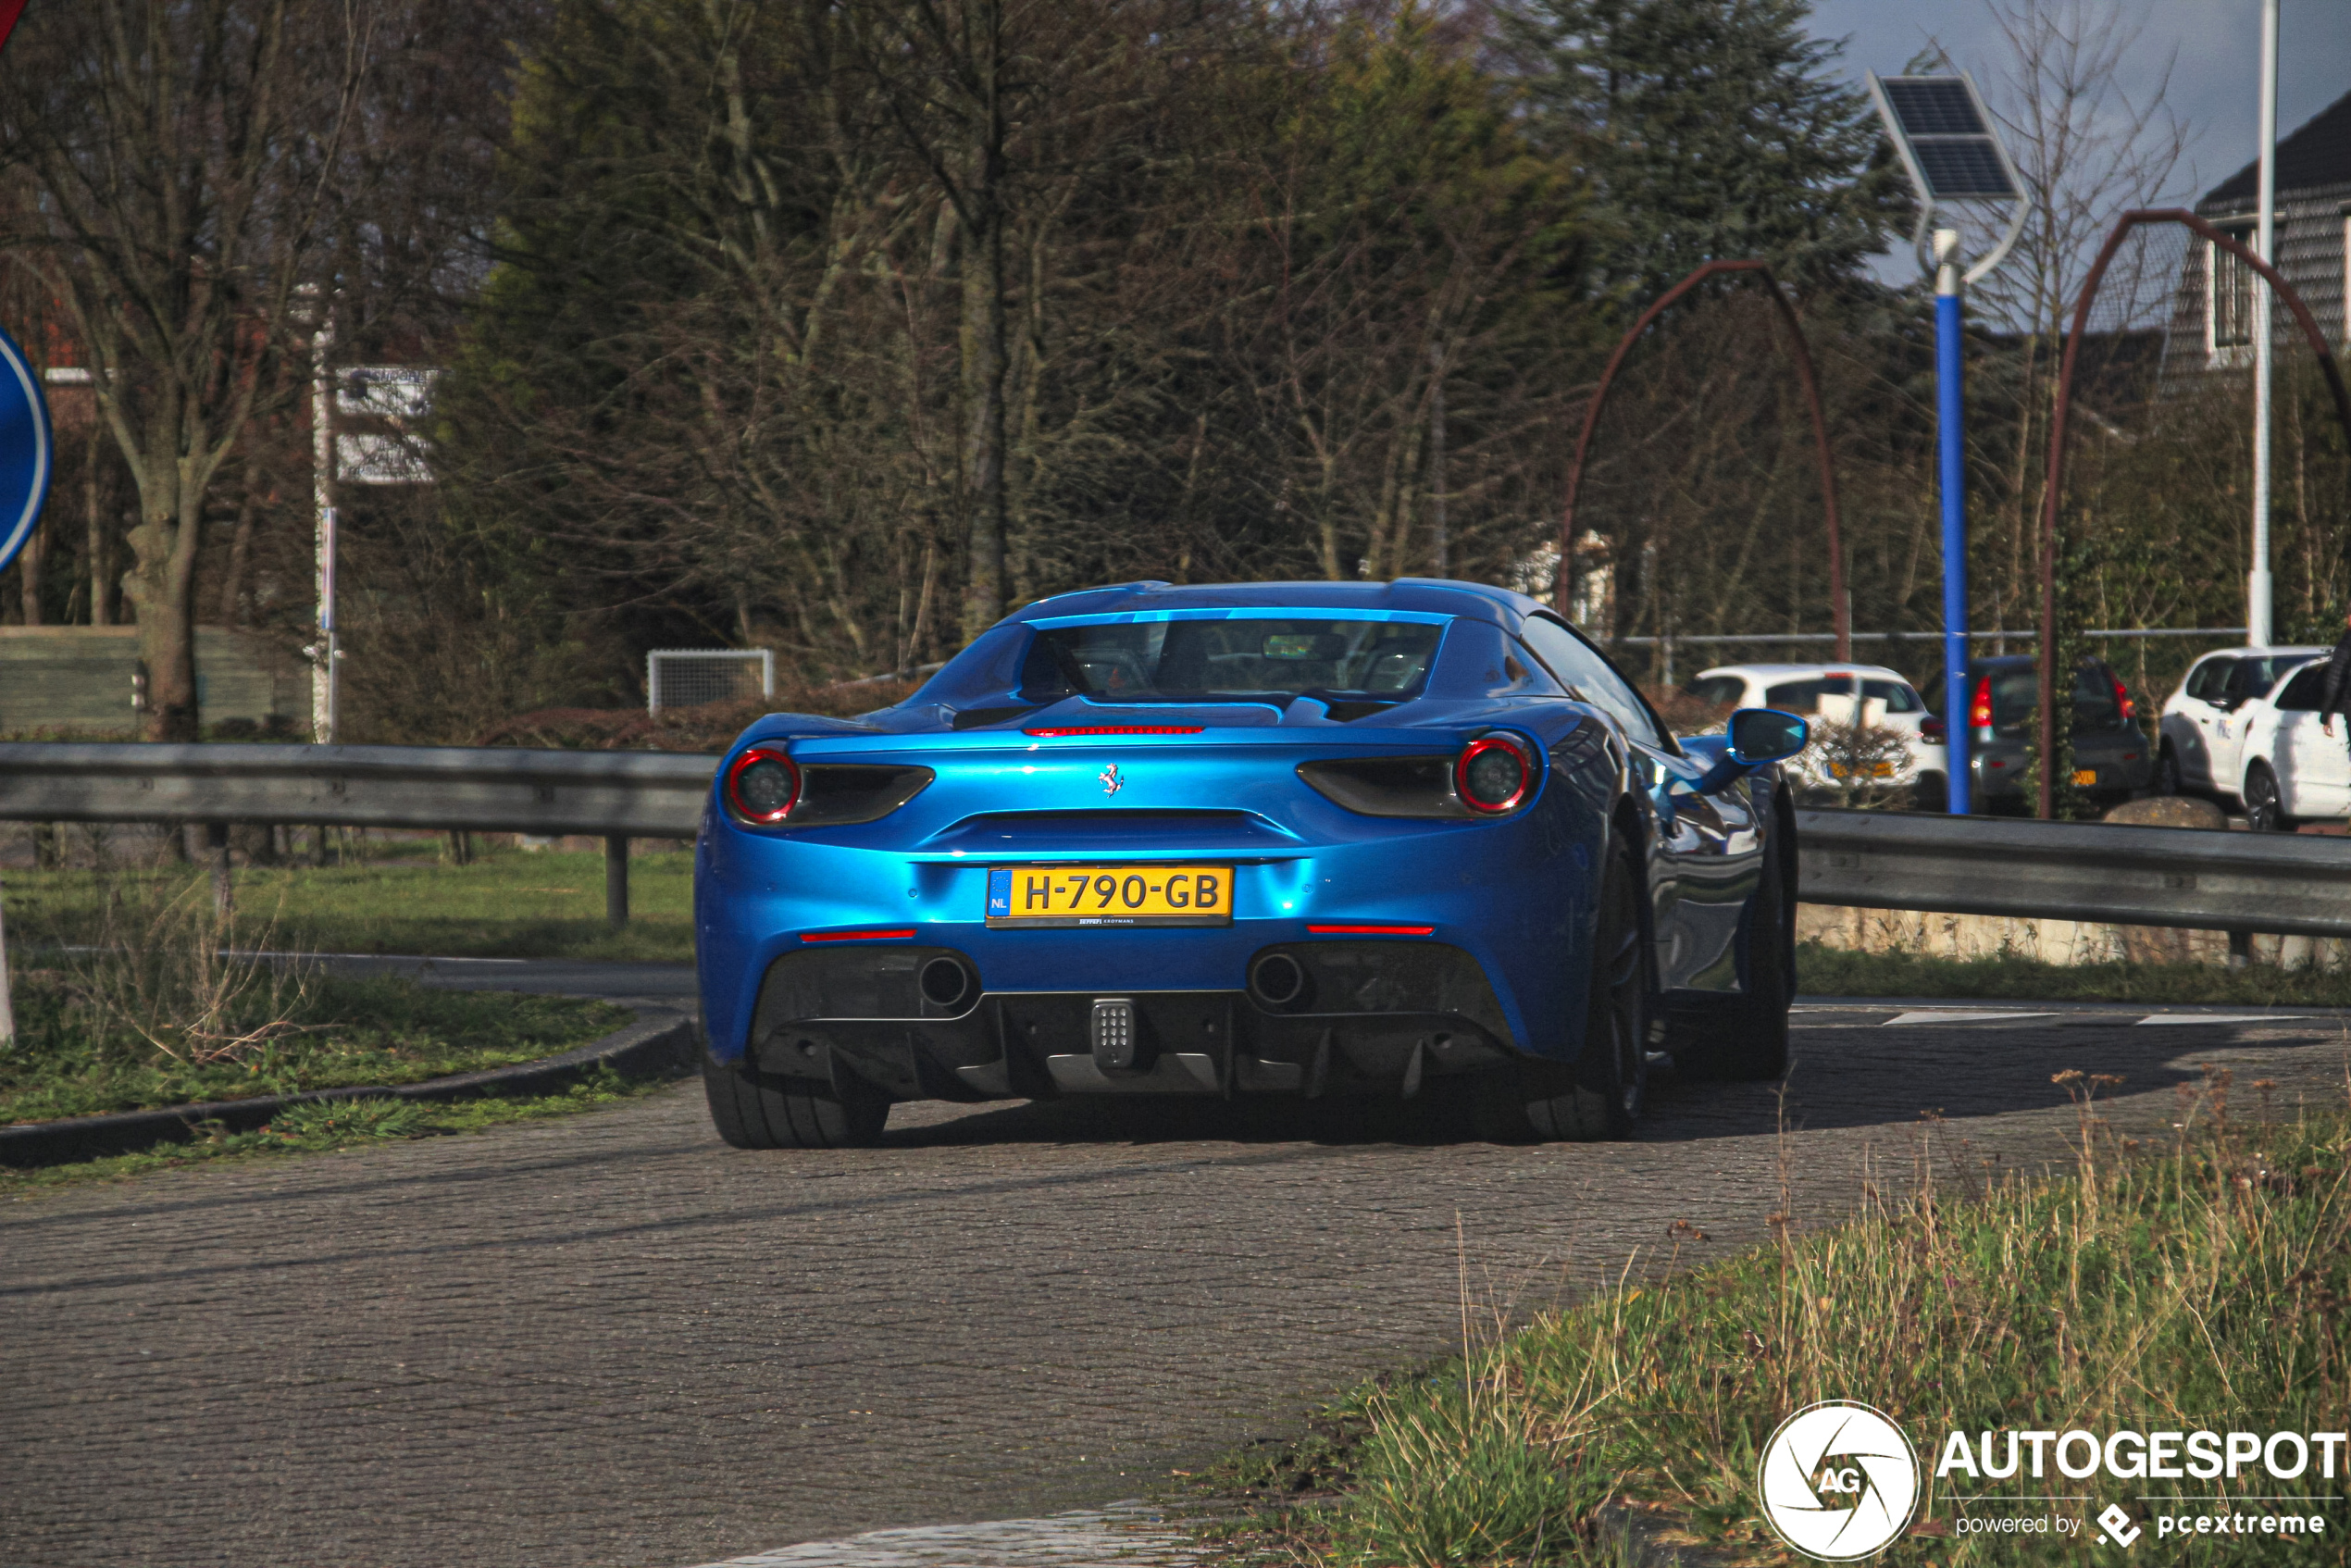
[1275, 839]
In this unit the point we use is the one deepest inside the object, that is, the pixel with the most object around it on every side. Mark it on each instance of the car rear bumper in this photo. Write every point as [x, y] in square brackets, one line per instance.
[1367, 1018]
[2001, 768]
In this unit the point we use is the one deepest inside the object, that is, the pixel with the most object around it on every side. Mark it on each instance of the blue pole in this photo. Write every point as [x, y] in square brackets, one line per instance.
[1952, 470]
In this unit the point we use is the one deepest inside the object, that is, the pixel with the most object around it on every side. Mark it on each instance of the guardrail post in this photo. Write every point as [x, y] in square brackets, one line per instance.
[616, 879]
[215, 838]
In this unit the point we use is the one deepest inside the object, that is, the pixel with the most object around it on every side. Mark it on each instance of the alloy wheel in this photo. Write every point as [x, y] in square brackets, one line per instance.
[2262, 810]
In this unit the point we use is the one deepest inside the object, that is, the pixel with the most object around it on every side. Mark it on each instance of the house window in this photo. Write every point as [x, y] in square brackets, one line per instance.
[2228, 302]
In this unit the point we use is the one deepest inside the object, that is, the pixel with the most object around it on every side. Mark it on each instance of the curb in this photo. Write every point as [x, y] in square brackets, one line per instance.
[657, 1042]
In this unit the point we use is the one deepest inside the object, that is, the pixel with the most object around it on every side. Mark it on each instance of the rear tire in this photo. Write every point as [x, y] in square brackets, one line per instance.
[1745, 1040]
[756, 1110]
[1601, 1096]
[2264, 809]
[2167, 772]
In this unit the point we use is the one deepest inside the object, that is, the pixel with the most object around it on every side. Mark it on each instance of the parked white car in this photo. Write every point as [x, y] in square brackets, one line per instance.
[2293, 770]
[2201, 744]
[1887, 701]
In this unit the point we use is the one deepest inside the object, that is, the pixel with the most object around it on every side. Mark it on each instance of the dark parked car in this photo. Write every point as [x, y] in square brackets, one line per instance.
[2112, 758]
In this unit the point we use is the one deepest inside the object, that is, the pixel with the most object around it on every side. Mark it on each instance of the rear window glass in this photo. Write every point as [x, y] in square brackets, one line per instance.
[1192, 661]
[1718, 690]
[2016, 693]
[1804, 696]
[2094, 700]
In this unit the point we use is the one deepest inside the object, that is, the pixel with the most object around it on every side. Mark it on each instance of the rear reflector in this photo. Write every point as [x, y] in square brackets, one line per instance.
[895, 935]
[1360, 930]
[1117, 730]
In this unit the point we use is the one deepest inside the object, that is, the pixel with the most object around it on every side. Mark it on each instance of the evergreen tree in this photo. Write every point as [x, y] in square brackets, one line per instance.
[1710, 128]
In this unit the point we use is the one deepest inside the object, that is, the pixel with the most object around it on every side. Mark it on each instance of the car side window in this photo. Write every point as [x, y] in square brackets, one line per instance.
[1586, 673]
[1718, 691]
[2209, 679]
[2251, 677]
[2301, 694]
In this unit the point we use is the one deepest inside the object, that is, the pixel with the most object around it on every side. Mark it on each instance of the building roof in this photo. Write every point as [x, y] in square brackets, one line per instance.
[2319, 154]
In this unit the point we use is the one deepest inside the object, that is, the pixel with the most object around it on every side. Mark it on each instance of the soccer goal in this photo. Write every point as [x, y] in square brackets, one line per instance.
[688, 678]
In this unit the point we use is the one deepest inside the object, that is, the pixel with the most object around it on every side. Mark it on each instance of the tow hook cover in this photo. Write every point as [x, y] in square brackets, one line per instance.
[1118, 1048]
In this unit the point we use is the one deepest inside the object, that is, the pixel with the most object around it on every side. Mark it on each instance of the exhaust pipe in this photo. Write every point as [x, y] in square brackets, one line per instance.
[1277, 979]
[945, 982]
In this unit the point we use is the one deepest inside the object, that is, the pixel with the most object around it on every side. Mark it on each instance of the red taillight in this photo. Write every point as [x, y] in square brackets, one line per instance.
[762, 785]
[1492, 774]
[1116, 729]
[1930, 730]
[1979, 710]
[2122, 699]
[1360, 929]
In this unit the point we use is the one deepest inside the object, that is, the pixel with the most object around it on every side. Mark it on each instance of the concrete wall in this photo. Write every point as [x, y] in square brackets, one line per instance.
[77, 679]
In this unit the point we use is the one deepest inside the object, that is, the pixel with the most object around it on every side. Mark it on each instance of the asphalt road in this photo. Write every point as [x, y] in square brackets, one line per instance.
[609, 1340]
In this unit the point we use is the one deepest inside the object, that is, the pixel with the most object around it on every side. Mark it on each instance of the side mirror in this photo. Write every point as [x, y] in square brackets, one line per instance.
[1759, 736]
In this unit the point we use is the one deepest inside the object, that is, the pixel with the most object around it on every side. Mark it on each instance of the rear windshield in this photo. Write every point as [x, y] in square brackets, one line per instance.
[1804, 696]
[2016, 693]
[1226, 660]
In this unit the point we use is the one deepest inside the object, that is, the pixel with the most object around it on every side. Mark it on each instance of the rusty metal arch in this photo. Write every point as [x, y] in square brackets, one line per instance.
[2047, 803]
[1563, 582]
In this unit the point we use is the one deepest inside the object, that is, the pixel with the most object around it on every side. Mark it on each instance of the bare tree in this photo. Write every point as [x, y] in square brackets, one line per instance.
[2088, 149]
[171, 159]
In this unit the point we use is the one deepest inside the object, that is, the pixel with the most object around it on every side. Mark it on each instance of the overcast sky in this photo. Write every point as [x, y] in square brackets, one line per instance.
[2212, 46]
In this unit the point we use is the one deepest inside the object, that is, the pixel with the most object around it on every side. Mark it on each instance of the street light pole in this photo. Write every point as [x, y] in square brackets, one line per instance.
[1951, 469]
[1954, 158]
[2259, 629]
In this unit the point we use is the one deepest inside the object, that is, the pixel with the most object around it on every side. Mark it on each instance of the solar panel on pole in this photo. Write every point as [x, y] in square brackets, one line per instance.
[1948, 146]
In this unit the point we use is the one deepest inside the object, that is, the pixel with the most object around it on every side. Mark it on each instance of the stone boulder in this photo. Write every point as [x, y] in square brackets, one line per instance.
[2169, 811]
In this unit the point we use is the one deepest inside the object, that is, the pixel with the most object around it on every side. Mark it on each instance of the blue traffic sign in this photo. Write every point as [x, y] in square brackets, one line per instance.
[25, 447]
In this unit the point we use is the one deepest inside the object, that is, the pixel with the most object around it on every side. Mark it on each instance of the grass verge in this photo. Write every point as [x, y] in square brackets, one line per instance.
[314, 1129]
[73, 1055]
[2204, 1284]
[507, 903]
[1829, 971]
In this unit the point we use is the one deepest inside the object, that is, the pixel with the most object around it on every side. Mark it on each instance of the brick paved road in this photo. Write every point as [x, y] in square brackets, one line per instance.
[611, 1340]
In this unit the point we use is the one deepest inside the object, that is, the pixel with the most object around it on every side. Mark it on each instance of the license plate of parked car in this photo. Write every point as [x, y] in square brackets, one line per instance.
[2085, 775]
[1110, 895]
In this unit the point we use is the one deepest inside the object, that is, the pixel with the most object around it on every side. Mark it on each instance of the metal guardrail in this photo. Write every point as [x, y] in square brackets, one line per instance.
[1875, 860]
[493, 789]
[2207, 881]
[614, 795]
[1710, 638]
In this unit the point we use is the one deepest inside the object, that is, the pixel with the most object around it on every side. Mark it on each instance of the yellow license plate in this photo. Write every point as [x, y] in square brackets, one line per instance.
[2085, 775]
[1110, 895]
